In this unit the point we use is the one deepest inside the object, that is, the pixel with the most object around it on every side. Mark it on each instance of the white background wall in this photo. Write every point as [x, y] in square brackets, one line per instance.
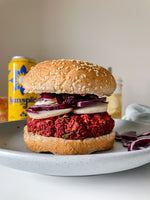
[107, 32]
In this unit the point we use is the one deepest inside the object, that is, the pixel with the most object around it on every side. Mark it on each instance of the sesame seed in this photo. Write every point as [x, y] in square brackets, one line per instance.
[97, 73]
[78, 81]
[73, 84]
[83, 88]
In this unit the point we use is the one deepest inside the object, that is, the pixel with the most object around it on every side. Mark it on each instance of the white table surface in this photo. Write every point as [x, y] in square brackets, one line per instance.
[132, 184]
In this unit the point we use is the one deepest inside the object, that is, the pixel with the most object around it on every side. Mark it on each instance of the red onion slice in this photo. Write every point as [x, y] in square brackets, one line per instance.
[90, 102]
[139, 144]
[144, 134]
[130, 140]
[43, 99]
[37, 108]
[47, 96]
[131, 135]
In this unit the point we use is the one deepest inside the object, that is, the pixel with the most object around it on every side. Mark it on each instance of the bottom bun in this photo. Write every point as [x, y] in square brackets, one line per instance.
[60, 146]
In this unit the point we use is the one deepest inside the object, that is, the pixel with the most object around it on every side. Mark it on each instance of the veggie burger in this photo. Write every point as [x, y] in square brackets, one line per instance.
[70, 116]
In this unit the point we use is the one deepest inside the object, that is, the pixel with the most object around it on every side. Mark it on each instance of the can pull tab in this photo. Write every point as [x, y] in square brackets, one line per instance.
[21, 57]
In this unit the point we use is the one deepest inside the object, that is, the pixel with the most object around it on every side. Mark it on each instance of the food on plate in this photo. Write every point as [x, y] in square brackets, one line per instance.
[134, 141]
[70, 116]
[3, 109]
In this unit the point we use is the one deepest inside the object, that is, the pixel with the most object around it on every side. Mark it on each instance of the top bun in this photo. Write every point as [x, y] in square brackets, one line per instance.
[69, 76]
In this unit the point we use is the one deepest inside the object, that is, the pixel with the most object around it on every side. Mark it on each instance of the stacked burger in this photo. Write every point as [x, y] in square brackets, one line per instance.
[70, 116]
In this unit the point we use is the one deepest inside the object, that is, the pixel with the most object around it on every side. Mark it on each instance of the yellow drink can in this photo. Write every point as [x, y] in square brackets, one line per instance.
[18, 102]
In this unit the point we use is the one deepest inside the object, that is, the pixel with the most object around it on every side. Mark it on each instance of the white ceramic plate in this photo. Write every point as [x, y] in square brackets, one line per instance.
[14, 154]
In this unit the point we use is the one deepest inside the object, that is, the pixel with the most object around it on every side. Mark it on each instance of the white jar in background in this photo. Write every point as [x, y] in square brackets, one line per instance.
[115, 100]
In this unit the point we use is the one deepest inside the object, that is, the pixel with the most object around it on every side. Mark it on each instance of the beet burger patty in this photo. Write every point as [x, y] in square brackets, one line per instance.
[70, 116]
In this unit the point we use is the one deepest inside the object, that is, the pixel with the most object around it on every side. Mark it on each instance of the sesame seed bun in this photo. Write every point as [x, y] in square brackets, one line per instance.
[69, 76]
[60, 146]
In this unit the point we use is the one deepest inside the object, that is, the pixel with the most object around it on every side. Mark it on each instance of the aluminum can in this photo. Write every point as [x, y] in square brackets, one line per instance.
[18, 101]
